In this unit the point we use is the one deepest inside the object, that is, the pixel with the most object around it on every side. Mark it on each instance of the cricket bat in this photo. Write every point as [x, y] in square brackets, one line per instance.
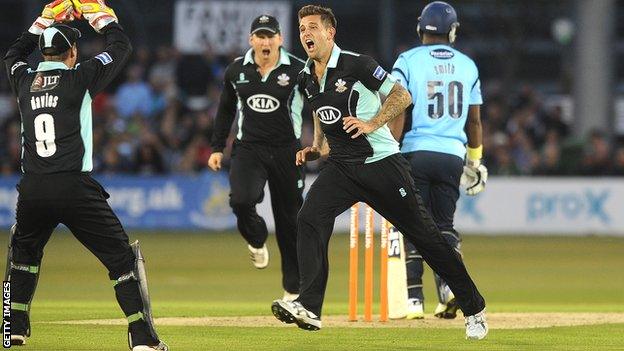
[397, 275]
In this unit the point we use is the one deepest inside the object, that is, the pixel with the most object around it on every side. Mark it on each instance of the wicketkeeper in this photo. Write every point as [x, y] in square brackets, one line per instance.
[56, 186]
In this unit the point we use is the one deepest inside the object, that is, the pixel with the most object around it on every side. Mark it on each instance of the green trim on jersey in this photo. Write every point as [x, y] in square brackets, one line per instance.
[22, 137]
[86, 132]
[241, 116]
[50, 65]
[296, 108]
[387, 85]
[381, 140]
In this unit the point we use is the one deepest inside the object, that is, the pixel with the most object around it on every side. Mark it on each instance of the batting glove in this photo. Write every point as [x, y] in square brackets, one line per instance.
[474, 177]
[56, 11]
[96, 12]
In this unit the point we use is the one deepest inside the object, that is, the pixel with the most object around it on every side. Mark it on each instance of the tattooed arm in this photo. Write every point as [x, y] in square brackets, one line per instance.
[396, 102]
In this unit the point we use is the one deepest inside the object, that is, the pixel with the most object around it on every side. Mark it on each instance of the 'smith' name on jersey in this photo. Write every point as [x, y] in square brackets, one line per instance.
[47, 100]
[444, 83]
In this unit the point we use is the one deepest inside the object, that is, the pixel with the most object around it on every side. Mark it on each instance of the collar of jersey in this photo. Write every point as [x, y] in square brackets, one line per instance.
[283, 59]
[332, 63]
[50, 65]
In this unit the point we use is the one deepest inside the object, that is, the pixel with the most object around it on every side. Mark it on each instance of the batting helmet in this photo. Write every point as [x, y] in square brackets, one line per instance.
[438, 17]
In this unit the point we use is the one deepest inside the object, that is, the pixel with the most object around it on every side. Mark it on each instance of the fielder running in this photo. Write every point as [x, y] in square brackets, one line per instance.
[445, 88]
[365, 165]
[56, 187]
[262, 86]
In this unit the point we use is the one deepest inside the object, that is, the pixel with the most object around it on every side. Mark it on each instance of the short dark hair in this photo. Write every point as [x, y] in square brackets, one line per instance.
[327, 15]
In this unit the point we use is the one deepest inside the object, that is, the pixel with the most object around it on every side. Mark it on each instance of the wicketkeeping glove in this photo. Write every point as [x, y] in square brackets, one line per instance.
[96, 12]
[56, 11]
[474, 177]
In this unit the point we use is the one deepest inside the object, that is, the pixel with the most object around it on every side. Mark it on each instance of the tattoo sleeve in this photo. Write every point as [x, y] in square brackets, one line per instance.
[396, 102]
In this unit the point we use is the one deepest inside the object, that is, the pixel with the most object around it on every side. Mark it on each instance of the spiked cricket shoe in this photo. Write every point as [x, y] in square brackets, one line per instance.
[476, 326]
[259, 257]
[415, 309]
[293, 312]
[289, 297]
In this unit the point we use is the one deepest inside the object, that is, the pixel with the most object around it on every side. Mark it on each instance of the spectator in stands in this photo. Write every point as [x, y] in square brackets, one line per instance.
[597, 155]
[618, 162]
[147, 160]
[554, 121]
[134, 96]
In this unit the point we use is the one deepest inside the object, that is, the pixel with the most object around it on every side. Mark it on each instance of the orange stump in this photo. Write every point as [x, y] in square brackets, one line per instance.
[369, 253]
[353, 262]
[383, 272]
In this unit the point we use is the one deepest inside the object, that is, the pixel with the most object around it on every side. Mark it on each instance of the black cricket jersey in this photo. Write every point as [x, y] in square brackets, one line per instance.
[269, 107]
[350, 86]
[55, 102]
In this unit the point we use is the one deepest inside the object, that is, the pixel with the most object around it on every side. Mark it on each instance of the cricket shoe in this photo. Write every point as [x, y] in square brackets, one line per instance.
[476, 326]
[415, 309]
[289, 296]
[18, 340]
[259, 257]
[160, 347]
[294, 312]
[449, 309]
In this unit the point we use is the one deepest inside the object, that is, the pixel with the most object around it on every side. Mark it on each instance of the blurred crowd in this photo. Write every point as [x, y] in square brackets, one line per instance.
[524, 137]
[157, 118]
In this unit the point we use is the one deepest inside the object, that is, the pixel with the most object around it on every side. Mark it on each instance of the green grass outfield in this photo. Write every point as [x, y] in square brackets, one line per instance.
[195, 275]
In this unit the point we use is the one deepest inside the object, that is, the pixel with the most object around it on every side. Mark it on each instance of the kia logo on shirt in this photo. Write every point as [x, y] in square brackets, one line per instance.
[328, 114]
[263, 103]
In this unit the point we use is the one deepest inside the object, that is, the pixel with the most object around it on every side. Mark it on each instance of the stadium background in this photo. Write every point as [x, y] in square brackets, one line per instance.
[554, 106]
[553, 116]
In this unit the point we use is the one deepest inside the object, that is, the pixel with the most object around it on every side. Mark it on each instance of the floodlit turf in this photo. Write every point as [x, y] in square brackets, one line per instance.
[196, 275]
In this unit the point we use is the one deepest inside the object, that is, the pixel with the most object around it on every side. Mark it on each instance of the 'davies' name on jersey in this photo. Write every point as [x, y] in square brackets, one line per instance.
[55, 102]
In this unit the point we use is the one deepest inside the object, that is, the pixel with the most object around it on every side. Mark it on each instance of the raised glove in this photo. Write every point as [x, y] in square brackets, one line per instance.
[96, 12]
[56, 11]
[474, 177]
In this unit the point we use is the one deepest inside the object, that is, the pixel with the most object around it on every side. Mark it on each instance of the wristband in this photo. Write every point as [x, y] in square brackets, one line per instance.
[475, 153]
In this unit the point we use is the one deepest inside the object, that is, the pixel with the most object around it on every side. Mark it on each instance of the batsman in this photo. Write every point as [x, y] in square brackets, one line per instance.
[445, 129]
[56, 186]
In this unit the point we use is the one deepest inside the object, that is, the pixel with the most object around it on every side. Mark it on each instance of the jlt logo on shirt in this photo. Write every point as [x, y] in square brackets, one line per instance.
[328, 114]
[44, 83]
[263, 103]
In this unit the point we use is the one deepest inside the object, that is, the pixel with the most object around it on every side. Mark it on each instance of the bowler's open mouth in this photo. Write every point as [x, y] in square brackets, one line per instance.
[309, 44]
